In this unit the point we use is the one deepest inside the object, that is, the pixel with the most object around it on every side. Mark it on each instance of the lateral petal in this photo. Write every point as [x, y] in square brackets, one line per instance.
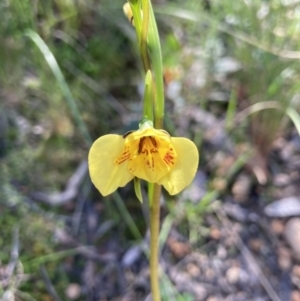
[106, 174]
[185, 167]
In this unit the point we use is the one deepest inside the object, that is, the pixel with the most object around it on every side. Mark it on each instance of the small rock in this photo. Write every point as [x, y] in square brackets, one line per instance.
[218, 96]
[295, 296]
[221, 252]
[193, 270]
[279, 143]
[184, 283]
[244, 277]
[296, 281]
[233, 275]
[284, 207]
[292, 235]
[131, 256]
[281, 180]
[284, 258]
[199, 290]
[277, 226]
[215, 233]
[287, 151]
[256, 244]
[73, 291]
[210, 274]
[213, 298]
[241, 188]
[227, 65]
[197, 189]
[219, 183]
[178, 249]
[296, 271]
[236, 211]
[223, 164]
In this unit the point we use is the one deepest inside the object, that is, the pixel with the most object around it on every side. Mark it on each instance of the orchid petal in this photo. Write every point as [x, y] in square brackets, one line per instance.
[151, 154]
[106, 174]
[185, 167]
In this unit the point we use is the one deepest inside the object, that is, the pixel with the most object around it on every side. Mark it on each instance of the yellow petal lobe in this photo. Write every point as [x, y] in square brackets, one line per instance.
[105, 174]
[185, 167]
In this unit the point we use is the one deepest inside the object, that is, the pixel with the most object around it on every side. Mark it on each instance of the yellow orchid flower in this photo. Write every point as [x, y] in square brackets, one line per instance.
[149, 154]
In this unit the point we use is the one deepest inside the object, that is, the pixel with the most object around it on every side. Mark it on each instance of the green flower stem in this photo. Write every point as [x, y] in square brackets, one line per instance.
[154, 242]
[150, 50]
[158, 104]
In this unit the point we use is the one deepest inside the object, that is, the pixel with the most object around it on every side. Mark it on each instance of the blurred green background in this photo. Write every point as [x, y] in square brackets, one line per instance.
[70, 72]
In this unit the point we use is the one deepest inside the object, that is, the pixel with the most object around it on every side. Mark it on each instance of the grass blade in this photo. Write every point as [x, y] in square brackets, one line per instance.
[50, 59]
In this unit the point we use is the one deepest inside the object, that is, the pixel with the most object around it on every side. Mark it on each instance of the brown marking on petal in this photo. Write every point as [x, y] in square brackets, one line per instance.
[153, 141]
[125, 155]
[149, 149]
[141, 144]
[169, 157]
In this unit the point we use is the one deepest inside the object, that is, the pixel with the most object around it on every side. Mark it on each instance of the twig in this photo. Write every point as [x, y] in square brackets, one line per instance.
[14, 254]
[71, 191]
[252, 263]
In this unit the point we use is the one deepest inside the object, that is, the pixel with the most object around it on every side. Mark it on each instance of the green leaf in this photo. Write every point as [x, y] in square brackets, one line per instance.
[137, 189]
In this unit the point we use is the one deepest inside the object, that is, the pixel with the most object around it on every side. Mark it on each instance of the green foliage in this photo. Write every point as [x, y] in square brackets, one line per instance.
[41, 142]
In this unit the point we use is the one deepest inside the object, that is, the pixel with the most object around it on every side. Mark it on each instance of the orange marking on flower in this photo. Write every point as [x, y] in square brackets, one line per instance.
[125, 155]
[169, 157]
[153, 141]
[141, 144]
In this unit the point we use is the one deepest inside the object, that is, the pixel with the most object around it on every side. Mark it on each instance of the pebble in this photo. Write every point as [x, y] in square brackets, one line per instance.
[295, 296]
[241, 188]
[223, 164]
[131, 256]
[197, 189]
[288, 151]
[233, 275]
[184, 282]
[284, 258]
[178, 249]
[227, 64]
[277, 226]
[296, 270]
[213, 298]
[256, 244]
[210, 274]
[292, 235]
[281, 180]
[73, 291]
[284, 207]
[219, 183]
[236, 212]
[200, 291]
[193, 269]
[221, 252]
[215, 233]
